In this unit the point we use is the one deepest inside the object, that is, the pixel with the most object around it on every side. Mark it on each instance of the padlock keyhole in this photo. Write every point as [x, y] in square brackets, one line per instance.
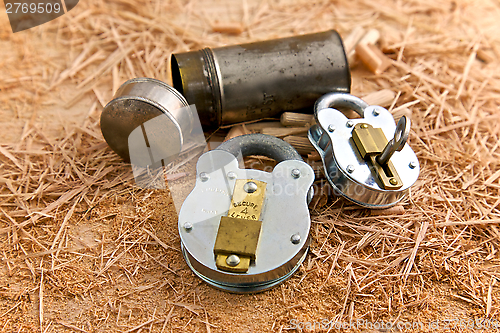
[387, 171]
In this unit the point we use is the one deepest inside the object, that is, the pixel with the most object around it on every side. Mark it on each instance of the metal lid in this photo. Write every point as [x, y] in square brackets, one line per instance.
[154, 108]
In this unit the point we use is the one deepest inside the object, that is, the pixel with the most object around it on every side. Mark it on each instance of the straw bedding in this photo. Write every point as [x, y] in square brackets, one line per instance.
[84, 250]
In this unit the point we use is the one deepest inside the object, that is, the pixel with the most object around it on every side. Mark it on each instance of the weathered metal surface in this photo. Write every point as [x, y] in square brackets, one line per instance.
[257, 80]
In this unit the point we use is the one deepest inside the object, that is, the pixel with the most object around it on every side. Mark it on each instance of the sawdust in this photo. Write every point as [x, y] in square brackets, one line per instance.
[84, 250]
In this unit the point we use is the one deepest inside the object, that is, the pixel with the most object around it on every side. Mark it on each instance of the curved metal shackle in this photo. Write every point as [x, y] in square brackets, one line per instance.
[261, 144]
[342, 100]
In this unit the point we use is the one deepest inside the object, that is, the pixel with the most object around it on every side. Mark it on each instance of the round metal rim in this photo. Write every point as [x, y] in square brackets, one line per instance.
[244, 289]
[171, 89]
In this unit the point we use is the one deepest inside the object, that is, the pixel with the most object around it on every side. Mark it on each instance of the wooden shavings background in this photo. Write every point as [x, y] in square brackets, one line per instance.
[83, 250]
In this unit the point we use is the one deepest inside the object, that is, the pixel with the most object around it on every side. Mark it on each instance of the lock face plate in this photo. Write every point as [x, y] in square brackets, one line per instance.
[348, 172]
[284, 213]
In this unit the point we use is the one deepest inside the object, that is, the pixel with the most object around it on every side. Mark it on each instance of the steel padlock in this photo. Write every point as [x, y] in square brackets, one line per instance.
[246, 230]
[366, 160]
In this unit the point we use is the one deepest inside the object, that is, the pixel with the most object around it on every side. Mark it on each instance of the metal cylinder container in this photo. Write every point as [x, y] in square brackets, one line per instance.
[259, 80]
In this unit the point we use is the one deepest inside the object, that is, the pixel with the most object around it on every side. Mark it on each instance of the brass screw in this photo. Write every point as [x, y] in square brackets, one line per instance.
[364, 126]
[393, 181]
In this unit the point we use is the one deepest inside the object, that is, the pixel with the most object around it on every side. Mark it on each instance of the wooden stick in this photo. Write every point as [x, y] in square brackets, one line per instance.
[282, 132]
[236, 131]
[231, 28]
[294, 119]
[353, 38]
[373, 58]
[485, 56]
[258, 127]
[401, 111]
[371, 37]
[383, 97]
[313, 156]
[396, 210]
[301, 144]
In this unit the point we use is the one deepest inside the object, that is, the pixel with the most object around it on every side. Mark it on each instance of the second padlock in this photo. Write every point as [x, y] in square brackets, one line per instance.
[246, 230]
[366, 160]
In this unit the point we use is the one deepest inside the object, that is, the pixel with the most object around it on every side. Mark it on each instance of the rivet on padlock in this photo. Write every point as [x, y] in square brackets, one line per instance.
[248, 229]
[360, 162]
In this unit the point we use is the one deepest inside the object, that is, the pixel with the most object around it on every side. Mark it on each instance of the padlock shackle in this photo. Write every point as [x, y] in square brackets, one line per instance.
[341, 100]
[260, 144]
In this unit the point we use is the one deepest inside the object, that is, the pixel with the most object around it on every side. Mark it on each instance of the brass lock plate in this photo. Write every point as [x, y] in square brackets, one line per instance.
[238, 234]
[247, 200]
[371, 142]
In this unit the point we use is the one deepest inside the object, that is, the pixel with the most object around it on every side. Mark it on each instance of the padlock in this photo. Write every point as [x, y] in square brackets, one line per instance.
[246, 230]
[366, 160]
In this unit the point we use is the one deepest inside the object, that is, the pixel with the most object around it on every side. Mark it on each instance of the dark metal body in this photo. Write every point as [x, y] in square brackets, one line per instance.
[258, 80]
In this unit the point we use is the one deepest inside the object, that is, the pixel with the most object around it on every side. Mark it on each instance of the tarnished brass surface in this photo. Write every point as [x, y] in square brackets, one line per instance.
[369, 140]
[246, 205]
[239, 232]
[387, 174]
[242, 267]
[238, 236]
